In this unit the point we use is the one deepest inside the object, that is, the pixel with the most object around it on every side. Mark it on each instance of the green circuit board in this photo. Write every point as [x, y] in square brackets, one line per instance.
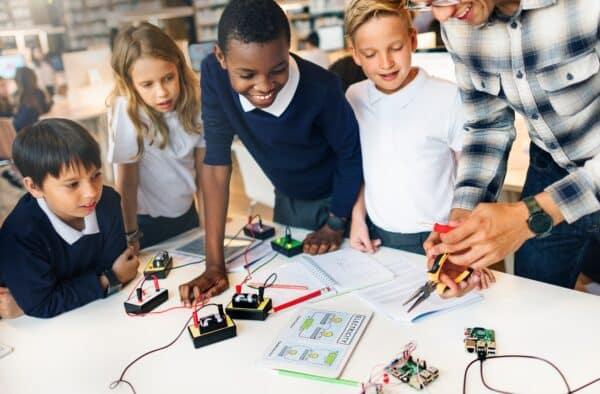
[480, 340]
[415, 373]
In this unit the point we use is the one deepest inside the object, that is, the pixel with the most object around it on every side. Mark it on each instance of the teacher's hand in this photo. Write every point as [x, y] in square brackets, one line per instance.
[490, 233]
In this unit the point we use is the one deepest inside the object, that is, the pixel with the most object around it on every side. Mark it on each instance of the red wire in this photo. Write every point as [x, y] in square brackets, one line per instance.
[249, 276]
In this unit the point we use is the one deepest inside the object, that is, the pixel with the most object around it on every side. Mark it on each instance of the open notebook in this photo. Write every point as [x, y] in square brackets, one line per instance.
[342, 271]
[388, 298]
[317, 342]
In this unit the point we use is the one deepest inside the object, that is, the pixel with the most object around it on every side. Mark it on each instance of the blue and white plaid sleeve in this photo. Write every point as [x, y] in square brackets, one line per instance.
[489, 136]
[578, 194]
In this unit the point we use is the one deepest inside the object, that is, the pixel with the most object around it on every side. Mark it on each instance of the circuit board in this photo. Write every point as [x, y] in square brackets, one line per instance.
[415, 373]
[480, 340]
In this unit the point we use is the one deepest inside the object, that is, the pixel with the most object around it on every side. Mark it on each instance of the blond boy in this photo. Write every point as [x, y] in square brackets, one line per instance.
[411, 130]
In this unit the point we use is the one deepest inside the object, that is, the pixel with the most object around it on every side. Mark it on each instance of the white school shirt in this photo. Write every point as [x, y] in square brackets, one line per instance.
[408, 140]
[69, 234]
[167, 177]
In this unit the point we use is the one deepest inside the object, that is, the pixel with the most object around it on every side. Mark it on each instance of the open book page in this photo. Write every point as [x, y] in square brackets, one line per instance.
[388, 298]
[347, 269]
[317, 342]
[341, 271]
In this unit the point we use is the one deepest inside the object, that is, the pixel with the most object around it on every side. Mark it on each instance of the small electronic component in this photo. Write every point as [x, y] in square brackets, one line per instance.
[286, 245]
[480, 340]
[259, 230]
[372, 389]
[249, 306]
[414, 372]
[159, 265]
[212, 328]
[145, 302]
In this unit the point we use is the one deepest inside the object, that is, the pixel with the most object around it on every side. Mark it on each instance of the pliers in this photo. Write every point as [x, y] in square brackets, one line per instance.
[423, 292]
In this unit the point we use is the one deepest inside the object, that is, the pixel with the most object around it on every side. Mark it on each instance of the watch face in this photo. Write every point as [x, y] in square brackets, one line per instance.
[540, 223]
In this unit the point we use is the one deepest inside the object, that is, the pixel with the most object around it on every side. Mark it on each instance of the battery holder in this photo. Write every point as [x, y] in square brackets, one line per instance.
[248, 306]
[144, 303]
[287, 245]
[259, 230]
[212, 328]
[160, 265]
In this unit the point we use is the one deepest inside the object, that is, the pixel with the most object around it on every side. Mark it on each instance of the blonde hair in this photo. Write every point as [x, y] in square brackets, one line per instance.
[147, 40]
[358, 12]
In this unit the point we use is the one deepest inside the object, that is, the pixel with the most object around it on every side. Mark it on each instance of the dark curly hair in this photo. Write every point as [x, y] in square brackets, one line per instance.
[249, 21]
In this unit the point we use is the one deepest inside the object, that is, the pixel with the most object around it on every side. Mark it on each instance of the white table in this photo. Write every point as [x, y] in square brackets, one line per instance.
[84, 350]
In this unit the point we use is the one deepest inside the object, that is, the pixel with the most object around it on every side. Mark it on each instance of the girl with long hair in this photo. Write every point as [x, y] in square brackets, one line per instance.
[155, 136]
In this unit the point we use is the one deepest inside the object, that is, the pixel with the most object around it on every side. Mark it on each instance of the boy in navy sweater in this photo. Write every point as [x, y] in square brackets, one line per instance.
[63, 245]
[294, 120]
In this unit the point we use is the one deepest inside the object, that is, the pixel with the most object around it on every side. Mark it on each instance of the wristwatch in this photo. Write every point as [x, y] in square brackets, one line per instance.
[539, 222]
[113, 283]
[335, 222]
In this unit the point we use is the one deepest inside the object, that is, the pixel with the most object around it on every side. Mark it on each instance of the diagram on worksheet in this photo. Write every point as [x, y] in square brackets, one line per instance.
[317, 341]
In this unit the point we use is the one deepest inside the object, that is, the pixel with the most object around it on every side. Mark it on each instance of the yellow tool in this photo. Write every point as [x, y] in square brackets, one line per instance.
[434, 283]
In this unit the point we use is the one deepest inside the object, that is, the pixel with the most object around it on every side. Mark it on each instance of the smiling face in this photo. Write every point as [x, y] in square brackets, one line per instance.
[383, 47]
[474, 12]
[156, 81]
[257, 71]
[72, 195]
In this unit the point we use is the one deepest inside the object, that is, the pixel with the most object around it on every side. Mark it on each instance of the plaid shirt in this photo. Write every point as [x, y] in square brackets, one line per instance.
[542, 62]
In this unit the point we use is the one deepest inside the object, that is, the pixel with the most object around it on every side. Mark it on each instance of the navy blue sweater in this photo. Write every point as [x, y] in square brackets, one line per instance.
[45, 274]
[311, 151]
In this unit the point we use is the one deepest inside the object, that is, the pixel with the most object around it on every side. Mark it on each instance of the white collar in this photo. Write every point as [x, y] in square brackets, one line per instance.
[66, 232]
[284, 97]
[403, 96]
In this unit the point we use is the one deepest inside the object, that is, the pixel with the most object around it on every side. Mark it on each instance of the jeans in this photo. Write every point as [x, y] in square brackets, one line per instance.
[158, 229]
[559, 258]
[308, 214]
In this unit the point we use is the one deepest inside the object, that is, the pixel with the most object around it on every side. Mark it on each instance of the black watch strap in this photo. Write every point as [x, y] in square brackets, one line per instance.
[539, 222]
[113, 283]
[532, 205]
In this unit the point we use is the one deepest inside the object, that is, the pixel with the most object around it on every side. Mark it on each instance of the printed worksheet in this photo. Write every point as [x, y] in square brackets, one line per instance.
[388, 298]
[317, 342]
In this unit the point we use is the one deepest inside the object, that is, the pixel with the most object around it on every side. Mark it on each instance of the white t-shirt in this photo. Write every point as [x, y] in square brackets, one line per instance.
[408, 140]
[167, 176]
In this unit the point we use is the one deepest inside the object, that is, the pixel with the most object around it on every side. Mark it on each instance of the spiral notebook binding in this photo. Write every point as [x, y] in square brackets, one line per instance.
[319, 273]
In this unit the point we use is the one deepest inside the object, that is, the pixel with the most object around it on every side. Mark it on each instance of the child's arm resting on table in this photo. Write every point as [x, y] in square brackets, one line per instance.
[359, 231]
[214, 179]
[213, 281]
[34, 285]
[341, 131]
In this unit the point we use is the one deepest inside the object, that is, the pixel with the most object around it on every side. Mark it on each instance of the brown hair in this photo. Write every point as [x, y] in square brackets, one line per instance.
[147, 40]
[28, 92]
[358, 12]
